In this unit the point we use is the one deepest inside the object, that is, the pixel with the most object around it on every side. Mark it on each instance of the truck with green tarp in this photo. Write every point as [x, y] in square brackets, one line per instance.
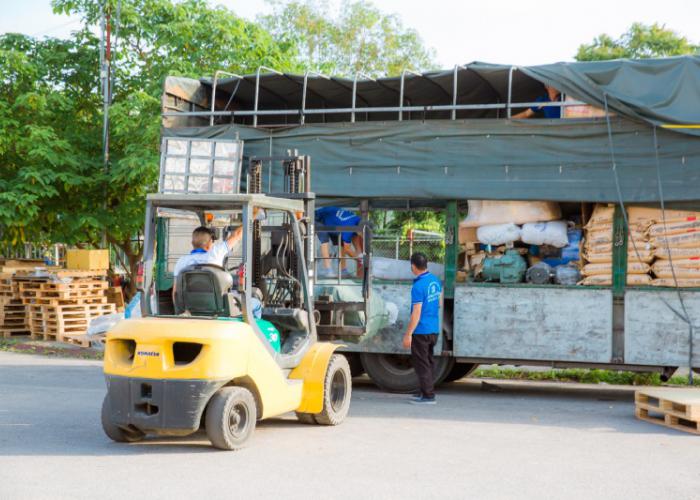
[435, 140]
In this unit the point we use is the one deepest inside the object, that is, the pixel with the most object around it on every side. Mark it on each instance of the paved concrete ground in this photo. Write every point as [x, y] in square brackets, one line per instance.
[525, 441]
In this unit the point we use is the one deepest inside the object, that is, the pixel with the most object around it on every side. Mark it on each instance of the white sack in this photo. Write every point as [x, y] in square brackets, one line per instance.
[498, 234]
[545, 233]
[397, 269]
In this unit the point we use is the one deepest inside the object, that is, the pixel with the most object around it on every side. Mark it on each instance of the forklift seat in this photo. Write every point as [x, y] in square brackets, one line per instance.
[203, 290]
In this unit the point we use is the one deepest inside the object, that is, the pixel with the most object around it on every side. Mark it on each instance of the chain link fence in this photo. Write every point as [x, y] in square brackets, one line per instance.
[398, 247]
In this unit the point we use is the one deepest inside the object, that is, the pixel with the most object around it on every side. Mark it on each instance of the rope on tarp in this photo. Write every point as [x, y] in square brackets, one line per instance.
[685, 317]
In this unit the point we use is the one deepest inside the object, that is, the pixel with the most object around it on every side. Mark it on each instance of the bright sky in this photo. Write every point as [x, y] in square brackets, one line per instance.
[500, 31]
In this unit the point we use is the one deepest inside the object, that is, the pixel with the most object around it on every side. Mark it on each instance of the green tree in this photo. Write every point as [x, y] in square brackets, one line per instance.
[53, 185]
[639, 42]
[360, 39]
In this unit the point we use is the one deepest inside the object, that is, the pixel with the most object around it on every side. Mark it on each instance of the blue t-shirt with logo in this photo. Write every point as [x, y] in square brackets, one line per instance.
[426, 291]
[334, 216]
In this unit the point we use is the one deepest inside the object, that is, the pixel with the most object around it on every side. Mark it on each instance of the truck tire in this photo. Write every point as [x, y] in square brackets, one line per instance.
[337, 392]
[114, 432]
[230, 418]
[356, 368]
[459, 371]
[394, 373]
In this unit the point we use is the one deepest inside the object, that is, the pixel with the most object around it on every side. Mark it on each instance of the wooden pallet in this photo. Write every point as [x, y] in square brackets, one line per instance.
[83, 340]
[73, 301]
[675, 408]
[6, 332]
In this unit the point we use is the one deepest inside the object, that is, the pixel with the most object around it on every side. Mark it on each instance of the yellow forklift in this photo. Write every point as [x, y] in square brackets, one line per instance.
[237, 342]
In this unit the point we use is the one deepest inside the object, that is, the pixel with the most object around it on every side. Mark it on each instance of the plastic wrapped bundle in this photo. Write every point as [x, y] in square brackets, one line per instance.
[566, 274]
[552, 233]
[498, 234]
[490, 212]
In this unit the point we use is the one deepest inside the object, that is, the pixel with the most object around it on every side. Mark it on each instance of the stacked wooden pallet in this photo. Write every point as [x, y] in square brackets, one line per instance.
[60, 308]
[675, 408]
[12, 310]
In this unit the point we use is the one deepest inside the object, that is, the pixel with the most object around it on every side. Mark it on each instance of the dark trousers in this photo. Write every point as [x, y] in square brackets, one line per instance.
[423, 361]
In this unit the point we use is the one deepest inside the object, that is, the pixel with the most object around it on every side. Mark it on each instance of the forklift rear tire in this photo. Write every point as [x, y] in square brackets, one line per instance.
[394, 373]
[459, 371]
[230, 418]
[114, 432]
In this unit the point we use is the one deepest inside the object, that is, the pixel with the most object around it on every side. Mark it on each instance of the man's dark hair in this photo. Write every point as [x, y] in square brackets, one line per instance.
[420, 261]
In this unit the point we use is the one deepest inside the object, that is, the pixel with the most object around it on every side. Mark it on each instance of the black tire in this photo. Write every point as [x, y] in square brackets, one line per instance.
[114, 432]
[459, 371]
[337, 392]
[356, 368]
[394, 373]
[230, 418]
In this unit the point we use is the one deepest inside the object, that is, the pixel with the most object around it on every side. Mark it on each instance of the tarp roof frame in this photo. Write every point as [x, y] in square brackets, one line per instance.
[664, 92]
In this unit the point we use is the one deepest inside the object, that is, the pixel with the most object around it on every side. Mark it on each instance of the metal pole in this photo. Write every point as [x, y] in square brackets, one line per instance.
[454, 91]
[510, 91]
[257, 90]
[354, 99]
[104, 78]
[306, 84]
[213, 93]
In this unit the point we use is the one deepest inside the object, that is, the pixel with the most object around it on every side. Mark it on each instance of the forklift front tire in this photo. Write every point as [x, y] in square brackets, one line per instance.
[230, 418]
[114, 432]
[337, 391]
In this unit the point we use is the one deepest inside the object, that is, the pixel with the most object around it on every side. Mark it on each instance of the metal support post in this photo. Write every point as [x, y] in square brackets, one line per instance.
[454, 91]
[306, 84]
[257, 90]
[401, 90]
[213, 92]
[510, 91]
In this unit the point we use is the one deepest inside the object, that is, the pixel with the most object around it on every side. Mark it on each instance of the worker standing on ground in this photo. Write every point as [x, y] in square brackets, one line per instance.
[348, 243]
[423, 327]
[552, 95]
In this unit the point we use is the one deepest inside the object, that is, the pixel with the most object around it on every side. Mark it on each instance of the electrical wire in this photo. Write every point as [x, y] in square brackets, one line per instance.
[685, 317]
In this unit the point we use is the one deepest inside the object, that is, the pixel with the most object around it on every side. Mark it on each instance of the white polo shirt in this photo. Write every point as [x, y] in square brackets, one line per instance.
[216, 255]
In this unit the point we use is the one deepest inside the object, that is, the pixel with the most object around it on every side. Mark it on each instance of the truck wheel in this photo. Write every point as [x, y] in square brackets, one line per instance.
[230, 418]
[394, 373]
[459, 371]
[114, 432]
[337, 391]
[356, 368]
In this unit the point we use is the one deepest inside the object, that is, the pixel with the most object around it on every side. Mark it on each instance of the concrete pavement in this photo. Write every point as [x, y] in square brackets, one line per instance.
[519, 440]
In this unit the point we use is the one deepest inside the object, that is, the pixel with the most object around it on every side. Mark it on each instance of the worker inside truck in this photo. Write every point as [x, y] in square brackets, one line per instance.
[348, 242]
[551, 95]
[206, 250]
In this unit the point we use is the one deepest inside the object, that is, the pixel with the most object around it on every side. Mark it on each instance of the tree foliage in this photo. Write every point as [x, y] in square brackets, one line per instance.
[53, 184]
[639, 42]
[360, 39]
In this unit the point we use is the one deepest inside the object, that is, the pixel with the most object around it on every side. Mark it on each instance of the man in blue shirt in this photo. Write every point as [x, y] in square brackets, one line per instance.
[552, 95]
[424, 326]
[348, 242]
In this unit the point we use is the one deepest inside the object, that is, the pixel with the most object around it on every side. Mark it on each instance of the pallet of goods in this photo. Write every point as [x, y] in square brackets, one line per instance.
[62, 304]
[675, 408]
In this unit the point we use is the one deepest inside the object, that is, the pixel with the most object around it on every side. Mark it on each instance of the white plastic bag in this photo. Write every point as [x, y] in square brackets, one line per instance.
[397, 269]
[498, 234]
[545, 233]
[103, 324]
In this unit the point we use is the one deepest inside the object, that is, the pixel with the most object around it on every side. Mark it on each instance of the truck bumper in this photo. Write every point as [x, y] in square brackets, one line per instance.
[159, 406]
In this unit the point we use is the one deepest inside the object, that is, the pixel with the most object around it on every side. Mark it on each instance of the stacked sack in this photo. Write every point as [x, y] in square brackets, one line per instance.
[679, 237]
[598, 249]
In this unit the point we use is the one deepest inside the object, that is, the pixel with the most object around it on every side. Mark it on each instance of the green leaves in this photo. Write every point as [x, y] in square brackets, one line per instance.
[361, 39]
[639, 42]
